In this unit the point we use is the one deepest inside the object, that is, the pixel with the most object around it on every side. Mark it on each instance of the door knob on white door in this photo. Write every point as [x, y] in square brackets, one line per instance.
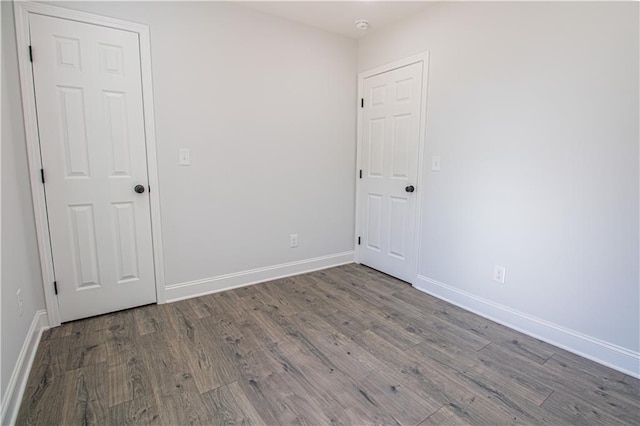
[410, 188]
[139, 189]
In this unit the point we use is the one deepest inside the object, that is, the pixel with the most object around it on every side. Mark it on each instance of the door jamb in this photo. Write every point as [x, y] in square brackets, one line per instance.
[424, 58]
[21, 13]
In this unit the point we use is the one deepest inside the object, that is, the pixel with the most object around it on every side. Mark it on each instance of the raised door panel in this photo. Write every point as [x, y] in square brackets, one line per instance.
[68, 53]
[73, 131]
[84, 246]
[374, 221]
[126, 242]
[375, 150]
[400, 147]
[117, 132]
[397, 227]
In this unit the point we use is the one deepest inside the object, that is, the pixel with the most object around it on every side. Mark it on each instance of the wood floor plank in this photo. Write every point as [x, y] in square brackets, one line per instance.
[128, 381]
[63, 330]
[226, 410]
[412, 319]
[43, 397]
[287, 402]
[173, 372]
[120, 337]
[605, 379]
[126, 374]
[150, 318]
[209, 365]
[298, 294]
[87, 343]
[430, 381]
[246, 291]
[343, 321]
[281, 296]
[140, 411]
[85, 395]
[405, 406]
[185, 408]
[204, 307]
[343, 346]
[249, 357]
[521, 402]
[427, 326]
[207, 361]
[341, 350]
[252, 326]
[634, 385]
[570, 410]
[339, 393]
[445, 416]
[316, 379]
[230, 303]
[363, 278]
[402, 336]
[243, 402]
[534, 349]
[473, 370]
[578, 386]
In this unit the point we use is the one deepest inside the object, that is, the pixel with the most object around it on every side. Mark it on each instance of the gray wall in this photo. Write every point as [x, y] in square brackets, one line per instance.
[267, 108]
[533, 108]
[20, 262]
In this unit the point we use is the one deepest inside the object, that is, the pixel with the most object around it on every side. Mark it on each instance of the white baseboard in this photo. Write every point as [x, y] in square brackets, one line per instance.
[13, 396]
[597, 350]
[191, 289]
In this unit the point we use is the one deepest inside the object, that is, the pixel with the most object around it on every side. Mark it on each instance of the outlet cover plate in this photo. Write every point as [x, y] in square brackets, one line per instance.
[184, 157]
[499, 272]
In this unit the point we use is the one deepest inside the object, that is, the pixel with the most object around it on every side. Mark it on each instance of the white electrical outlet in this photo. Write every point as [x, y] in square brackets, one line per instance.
[19, 297]
[184, 157]
[499, 273]
[294, 240]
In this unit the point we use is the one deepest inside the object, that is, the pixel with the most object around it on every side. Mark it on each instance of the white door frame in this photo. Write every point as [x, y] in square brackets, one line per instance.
[424, 58]
[22, 11]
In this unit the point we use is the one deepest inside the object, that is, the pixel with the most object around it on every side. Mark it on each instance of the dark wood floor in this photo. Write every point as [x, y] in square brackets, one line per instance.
[346, 345]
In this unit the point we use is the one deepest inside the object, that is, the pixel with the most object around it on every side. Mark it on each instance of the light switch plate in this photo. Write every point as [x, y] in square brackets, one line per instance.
[435, 163]
[184, 157]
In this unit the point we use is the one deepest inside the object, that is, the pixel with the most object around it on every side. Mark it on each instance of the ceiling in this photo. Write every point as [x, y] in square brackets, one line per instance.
[339, 16]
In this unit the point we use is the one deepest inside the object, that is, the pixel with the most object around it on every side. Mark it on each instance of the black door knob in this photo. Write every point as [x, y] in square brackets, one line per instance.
[139, 189]
[409, 188]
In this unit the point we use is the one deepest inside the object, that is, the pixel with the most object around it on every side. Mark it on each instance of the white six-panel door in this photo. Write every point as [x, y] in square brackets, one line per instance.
[390, 132]
[91, 126]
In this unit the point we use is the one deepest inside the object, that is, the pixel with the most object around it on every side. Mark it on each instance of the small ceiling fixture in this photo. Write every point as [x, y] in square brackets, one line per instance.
[362, 24]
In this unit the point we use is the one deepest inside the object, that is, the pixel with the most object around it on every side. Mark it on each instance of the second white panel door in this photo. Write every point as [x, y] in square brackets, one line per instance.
[91, 123]
[389, 162]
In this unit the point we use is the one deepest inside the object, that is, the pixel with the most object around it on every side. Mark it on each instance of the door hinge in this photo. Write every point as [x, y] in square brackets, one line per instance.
[358, 240]
[361, 102]
[30, 54]
[360, 173]
[55, 287]
[42, 175]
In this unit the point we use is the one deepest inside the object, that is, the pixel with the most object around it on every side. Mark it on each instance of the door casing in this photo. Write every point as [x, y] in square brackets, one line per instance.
[424, 58]
[22, 11]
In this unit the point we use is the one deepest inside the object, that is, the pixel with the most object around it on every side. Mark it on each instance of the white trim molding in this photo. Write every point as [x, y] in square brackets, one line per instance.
[220, 283]
[600, 351]
[22, 12]
[15, 389]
